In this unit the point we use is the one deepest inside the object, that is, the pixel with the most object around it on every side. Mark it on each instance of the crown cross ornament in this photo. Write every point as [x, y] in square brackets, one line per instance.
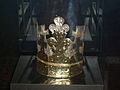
[61, 57]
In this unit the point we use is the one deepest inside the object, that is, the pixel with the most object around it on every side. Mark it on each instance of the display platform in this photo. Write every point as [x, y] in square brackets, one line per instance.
[26, 78]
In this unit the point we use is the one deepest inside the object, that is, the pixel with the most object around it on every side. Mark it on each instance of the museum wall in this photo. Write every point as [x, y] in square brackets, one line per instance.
[9, 28]
[111, 31]
[9, 52]
[111, 44]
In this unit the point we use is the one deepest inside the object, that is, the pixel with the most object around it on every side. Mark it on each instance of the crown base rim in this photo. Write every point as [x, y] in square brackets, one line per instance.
[60, 70]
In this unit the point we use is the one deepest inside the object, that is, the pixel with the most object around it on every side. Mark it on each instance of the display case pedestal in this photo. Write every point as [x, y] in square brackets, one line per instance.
[26, 77]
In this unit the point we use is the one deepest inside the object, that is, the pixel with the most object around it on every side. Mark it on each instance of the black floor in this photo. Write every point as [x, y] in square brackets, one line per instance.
[7, 67]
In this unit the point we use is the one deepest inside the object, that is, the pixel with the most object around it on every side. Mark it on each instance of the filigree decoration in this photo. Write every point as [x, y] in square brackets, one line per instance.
[58, 46]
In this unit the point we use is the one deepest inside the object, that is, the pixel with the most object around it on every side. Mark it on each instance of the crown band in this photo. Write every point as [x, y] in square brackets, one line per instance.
[59, 64]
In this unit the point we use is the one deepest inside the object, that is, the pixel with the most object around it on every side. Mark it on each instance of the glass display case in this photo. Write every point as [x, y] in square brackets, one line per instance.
[60, 43]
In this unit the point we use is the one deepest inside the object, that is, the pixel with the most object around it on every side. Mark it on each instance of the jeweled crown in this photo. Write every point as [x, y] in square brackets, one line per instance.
[58, 54]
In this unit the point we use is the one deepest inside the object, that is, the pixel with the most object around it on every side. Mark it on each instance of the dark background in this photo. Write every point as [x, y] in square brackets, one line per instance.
[9, 48]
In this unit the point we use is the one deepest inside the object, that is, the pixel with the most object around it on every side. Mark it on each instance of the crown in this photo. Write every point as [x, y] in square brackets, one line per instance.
[59, 56]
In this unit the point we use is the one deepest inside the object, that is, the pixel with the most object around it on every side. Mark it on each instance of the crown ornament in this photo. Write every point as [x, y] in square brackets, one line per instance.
[59, 56]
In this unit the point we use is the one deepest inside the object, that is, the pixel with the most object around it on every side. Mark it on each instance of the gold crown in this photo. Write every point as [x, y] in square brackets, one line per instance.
[58, 56]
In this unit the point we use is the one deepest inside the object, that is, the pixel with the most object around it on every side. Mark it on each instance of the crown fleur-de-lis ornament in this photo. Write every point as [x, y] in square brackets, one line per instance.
[58, 26]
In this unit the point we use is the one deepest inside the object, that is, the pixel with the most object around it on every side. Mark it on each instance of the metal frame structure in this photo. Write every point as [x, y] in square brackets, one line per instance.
[26, 26]
[95, 26]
